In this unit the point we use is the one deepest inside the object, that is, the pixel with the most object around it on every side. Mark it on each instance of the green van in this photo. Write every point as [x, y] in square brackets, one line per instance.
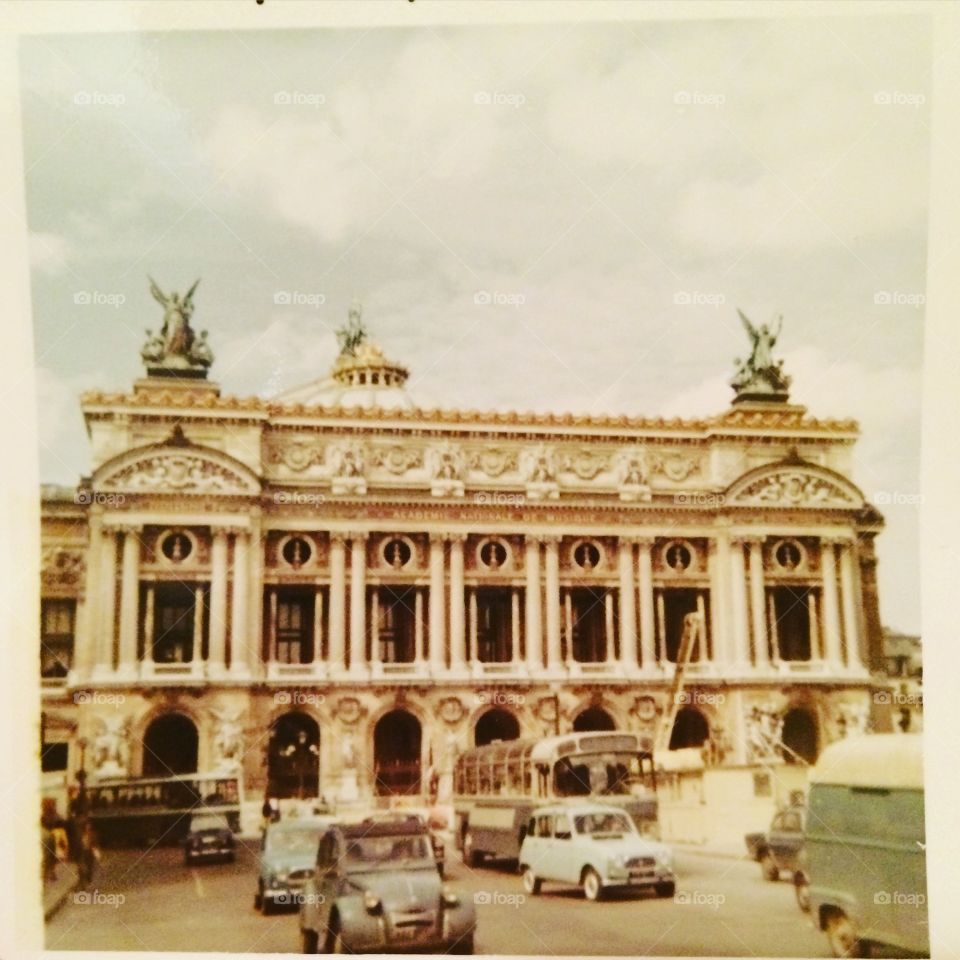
[865, 843]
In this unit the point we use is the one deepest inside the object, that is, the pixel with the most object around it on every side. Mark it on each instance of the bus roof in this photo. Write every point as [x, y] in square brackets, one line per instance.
[884, 760]
[545, 748]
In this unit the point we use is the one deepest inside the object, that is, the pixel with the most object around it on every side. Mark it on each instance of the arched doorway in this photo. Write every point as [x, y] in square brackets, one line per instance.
[496, 724]
[799, 735]
[593, 718]
[396, 753]
[293, 757]
[170, 746]
[690, 729]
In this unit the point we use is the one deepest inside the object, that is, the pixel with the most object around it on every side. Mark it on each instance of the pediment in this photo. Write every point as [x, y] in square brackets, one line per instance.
[176, 469]
[794, 485]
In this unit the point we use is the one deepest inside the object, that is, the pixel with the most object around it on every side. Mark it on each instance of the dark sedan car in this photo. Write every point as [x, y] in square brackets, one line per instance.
[209, 838]
[781, 849]
[376, 890]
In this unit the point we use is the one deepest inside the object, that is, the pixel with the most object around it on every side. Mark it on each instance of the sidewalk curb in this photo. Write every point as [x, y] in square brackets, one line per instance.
[59, 897]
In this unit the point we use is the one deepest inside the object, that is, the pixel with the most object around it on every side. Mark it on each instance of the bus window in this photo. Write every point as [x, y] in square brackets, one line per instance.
[571, 780]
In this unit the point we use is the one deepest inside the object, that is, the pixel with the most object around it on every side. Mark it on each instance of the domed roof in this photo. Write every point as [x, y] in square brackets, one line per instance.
[361, 376]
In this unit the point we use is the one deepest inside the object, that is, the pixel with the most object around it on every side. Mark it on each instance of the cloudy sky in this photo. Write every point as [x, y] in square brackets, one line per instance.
[537, 217]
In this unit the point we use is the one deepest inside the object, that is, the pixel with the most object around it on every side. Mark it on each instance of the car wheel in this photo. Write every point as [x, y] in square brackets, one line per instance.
[842, 935]
[769, 866]
[258, 898]
[308, 941]
[463, 947]
[471, 857]
[336, 943]
[187, 860]
[531, 882]
[592, 887]
[665, 889]
[266, 906]
[801, 886]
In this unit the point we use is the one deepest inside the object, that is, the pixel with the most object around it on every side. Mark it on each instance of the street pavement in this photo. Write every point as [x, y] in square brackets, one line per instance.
[148, 900]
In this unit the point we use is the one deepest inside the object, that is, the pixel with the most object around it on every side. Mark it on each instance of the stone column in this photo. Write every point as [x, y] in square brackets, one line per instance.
[240, 607]
[196, 653]
[628, 609]
[648, 655]
[848, 593]
[375, 660]
[338, 620]
[758, 604]
[272, 627]
[473, 631]
[419, 654]
[217, 659]
[608, 629]
[129, 602]
[515, 631]
[103, 665]
[532, 626]
[458, 657]
[774, 631]
[568, 627]
[438, 655]
[703, 653]
[831, 609]
[149, 627]
[358, 603]
[719, 569]
[318, 629]
[253, 639]
[816, 645]
[552, 564]
[88, 625]
[738, 605]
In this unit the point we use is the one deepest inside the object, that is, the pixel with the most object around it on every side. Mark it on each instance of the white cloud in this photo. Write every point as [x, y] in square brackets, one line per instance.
[50, 253]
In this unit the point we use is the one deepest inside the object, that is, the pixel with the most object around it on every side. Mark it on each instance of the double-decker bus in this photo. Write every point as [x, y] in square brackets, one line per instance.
[498, 785]
[141, 811]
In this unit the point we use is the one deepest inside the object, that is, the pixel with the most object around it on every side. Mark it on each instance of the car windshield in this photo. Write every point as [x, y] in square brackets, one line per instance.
[301, 840]
[583, 775]
[603, 825]
[374, 853]
[209, 822]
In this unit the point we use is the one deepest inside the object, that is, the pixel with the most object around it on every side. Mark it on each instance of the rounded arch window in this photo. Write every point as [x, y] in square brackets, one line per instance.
[397, 552]
[587, 555]
[494, 554]
[788, 555]
[296, 551]
[176, 545]
[678, 556]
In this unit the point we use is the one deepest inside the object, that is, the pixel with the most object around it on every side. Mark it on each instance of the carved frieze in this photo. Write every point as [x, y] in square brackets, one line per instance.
[62, 568]
[177, 473]
[494, 461]
[795, 488]
[298, 455]
[397, 459]
[347, 461]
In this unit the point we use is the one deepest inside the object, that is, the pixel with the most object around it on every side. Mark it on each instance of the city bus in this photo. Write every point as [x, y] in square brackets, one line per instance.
[497, 786]
[141, 811]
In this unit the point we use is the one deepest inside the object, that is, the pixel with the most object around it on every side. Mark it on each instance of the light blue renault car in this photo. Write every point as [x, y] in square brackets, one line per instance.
[593, 846]
[288, 854]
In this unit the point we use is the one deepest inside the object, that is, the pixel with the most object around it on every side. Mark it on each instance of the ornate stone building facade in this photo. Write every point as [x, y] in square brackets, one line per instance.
[336, 589]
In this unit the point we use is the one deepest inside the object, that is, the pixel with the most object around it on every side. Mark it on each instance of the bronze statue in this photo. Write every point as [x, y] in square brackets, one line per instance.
[760, 377]
[176, 350]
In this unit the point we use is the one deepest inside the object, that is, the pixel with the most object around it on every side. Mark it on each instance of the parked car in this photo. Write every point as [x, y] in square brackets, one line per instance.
[780, 849]
[288, 853]
[594, 846]
[209, 838]
[375, 889]
[865, 843]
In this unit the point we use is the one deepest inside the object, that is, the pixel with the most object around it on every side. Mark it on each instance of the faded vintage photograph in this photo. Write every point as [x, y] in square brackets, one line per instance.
[480, 485]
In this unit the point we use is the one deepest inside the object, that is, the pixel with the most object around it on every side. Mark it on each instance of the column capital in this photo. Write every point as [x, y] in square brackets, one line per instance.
[837, 540]
[358, 536]
[745, 539]
[550, 539]
[220, 532]
[121, 526]
[645, 541]
[338, 536]
[456, 537]
[533, 539]
[437, 538]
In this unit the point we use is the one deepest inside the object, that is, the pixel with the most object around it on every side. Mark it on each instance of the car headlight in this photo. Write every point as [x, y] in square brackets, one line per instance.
[279, 878]
[665, 858]
[450, 898]
[372, 902]
[618, 861]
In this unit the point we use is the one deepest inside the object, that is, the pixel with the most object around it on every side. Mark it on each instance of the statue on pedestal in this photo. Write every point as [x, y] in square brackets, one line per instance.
[760, 377]
[349, 787]
[176, 350]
